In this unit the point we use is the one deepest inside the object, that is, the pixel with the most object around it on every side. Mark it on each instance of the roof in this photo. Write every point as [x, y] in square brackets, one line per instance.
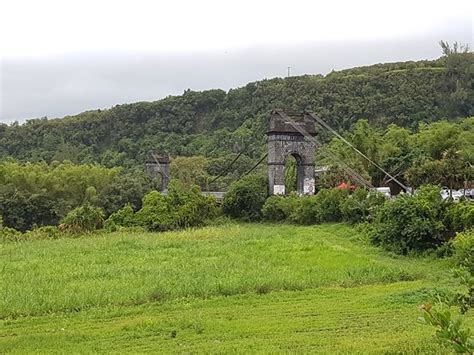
[279, 123]
[153, 158]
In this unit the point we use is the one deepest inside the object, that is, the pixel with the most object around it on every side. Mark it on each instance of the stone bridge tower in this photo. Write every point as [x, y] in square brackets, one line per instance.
[159, 165]
[284, 140]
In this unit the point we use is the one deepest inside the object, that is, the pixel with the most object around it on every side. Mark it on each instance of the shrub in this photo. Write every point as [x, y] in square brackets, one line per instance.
[305, 211]
[83, 219]
[183, 207]
[411, 223]
[9, 234]
[460, 216]
[45, 232]
[189, 206]
[449, 329]
[361, 206]
[280, 208]
[124, 217]
[328, 205]
[155, 214]
[463, 247]
[246, 197]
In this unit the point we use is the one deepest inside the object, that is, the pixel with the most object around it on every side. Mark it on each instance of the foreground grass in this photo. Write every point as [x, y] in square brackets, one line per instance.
[232, 288]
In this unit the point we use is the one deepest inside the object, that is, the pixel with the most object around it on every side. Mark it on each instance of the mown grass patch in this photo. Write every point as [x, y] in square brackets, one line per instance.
[323, 320]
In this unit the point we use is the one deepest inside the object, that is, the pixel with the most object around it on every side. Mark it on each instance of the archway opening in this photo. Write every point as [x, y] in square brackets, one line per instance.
[293, 174]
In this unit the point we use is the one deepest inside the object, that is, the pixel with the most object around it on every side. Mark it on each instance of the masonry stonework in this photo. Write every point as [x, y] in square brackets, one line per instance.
[285, 140]
[159, 165]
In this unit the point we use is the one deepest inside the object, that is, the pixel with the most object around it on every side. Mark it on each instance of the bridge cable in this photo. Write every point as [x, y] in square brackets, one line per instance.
[344, 166]
[254, 167]
[227, 168]
[325, 125]
[159, 165]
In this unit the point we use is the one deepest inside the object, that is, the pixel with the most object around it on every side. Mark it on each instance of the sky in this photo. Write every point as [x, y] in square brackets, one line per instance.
[60, 58]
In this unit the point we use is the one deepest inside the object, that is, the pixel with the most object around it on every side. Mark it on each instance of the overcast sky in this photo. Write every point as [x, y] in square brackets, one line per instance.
[63, 57]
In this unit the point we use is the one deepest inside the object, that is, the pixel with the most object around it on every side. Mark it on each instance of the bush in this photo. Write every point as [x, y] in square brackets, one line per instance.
[328, 205]
[361, 206]
[280, 208]
[124, 217]
[45, 232]
[155, 214]
[246, 197]
[9, 234]
[83, 219]
[189, 206]
[305, 211]
[183, 207]
[323, 207]
[463, 247]
[460, 216]
[411, 223]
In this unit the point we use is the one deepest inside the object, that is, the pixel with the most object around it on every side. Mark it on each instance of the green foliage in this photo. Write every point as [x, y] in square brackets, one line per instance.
[217, 124]
[325, 206]
[124, 217]
[45, 232]
[361, 206]
[449, 328]
[411, 223]
[155, 213]
[291, 179]
[465, 298]
[280, 208]
[460, 216]
[125, 188]
[182, 207]
[190, 170]
[328, 205]
[83, 219]
[40, 194]
[190, 208]
[246, 197]
[9, 234]
[463, 246]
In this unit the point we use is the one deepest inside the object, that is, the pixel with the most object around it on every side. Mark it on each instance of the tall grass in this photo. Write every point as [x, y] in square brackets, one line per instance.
[45, 276]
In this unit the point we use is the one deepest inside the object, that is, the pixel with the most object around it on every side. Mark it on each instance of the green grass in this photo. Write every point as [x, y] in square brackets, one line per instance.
[220, 289]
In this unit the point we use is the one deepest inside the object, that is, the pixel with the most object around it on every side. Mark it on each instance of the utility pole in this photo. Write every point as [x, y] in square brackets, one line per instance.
[288, 71]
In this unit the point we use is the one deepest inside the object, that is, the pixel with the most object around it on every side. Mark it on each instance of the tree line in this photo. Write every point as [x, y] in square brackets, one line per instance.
[216, 124]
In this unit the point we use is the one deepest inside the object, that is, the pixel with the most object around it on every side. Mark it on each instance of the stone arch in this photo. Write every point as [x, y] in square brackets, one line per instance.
[158, 165]
[284, 140]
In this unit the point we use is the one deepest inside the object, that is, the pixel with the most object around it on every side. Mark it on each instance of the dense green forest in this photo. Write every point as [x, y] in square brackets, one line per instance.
[216, 123]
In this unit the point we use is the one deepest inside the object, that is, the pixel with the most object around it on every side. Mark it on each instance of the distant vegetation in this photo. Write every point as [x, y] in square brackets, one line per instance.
[216, 124]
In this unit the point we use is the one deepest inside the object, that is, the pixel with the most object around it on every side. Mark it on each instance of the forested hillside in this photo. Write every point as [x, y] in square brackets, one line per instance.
[216, 123]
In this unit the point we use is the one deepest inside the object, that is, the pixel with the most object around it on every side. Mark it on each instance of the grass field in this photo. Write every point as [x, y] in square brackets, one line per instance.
[258, 288]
